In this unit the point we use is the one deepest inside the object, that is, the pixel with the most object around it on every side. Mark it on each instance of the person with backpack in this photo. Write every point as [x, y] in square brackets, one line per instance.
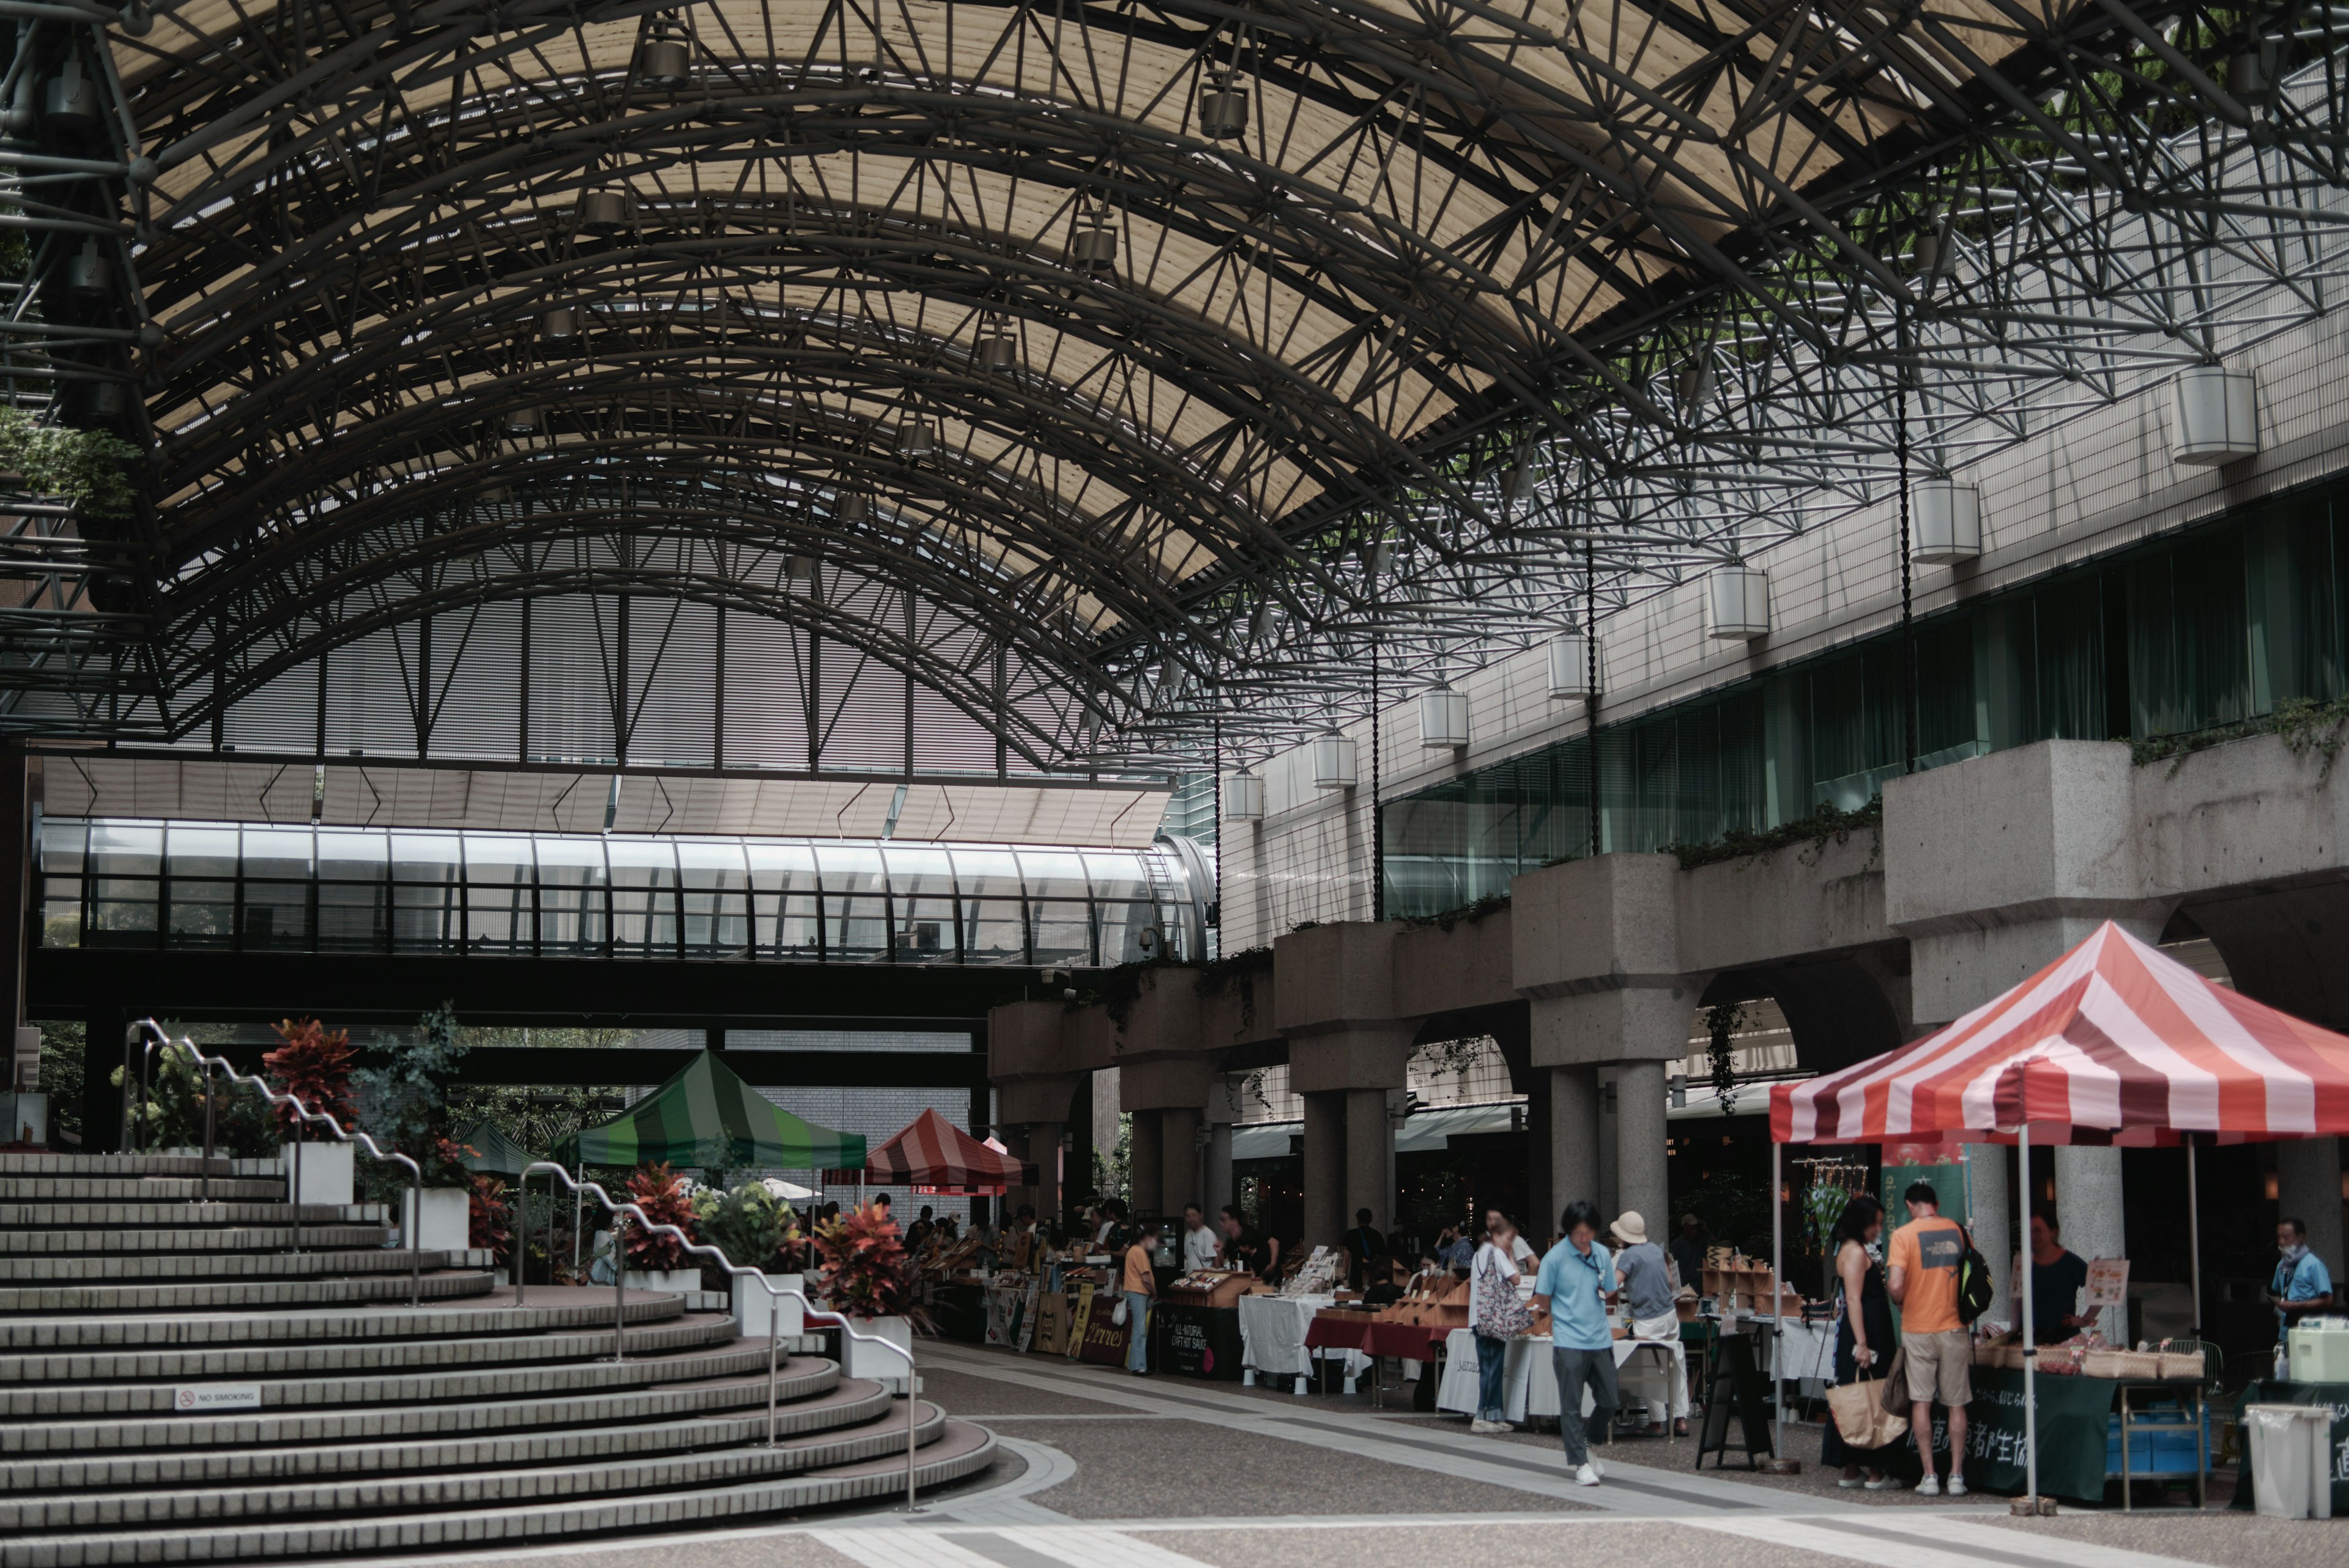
[1924, 1265]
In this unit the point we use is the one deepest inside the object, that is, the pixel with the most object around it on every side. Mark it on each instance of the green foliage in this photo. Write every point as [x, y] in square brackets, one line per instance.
[1466, 914]
[61, 1080]
[1242, 969]
[87, 468]
[407, 1098]
[660, 1193]
[1826, 822]
[753, 1228]
[173, 1117]
[1722, 1020]
[2305, 724]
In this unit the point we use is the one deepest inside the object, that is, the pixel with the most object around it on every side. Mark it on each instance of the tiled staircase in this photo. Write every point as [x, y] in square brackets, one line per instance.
[466, 1422]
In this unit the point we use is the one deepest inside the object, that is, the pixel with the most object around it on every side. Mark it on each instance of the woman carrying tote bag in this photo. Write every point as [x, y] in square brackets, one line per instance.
[1858, 1426]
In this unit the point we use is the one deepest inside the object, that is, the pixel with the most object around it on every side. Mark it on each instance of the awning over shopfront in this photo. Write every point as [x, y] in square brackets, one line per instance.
[932, 1155]
[2115, 1041]
[707, 1118]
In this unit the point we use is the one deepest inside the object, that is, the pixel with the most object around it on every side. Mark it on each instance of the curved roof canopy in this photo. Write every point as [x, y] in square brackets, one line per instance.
[1084, 364]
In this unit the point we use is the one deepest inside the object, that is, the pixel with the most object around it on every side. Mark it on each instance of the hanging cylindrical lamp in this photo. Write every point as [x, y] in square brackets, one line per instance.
[601, 212]
[1737, 603]
[854, 511]
[918, 441]
[1945, 520]
[523, 420]
[1223, 110]
[1696, 382]
[1570, 667]
[559, 325]
[2217, 412]
[999, 351]
[667, 63]
[1443, 718]
[799, 569]
[1333, 762]
[1093, 244]
[70, 106]
[89, 275]
[1242, 798]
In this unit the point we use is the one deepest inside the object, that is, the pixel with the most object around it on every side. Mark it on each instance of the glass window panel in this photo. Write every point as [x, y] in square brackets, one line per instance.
[60, 911]
[125, 849]
[425, 920]
[120, 920]
[353, 917]
[716, 900]
[914, 872]
[570, 862]
[787, 924]
[1130, 931]
[926, 928]
[987, 873]
[62, 845]
[855, 927]
[503, 858]
[348, 857]
[780, 865]
[1116, 876]
[282, 852]
[851, 868]
[711, 863]
[1050, 875]
[641, 863]
[425, 857]
[993, 931]
[498, 918]
[209, 852]
[1063, 932]
[203, 914]
[571, 919]
[276, 917]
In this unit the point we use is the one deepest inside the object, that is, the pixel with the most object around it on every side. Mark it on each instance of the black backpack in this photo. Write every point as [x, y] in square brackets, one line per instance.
[1975, 1287]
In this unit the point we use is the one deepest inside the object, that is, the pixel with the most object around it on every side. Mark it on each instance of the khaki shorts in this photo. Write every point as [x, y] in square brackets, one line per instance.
[1941, 1367]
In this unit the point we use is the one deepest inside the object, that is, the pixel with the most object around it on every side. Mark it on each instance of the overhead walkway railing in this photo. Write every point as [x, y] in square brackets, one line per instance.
[258, 887]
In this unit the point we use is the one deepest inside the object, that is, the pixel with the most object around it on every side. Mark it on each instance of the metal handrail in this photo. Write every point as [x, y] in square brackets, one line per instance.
[620, 1207]
[148, 1034]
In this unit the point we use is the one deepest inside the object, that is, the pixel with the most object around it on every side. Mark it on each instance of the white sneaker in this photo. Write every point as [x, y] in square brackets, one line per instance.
[1599, 1468]
[1930, 1487]
[1482, 1424]
[1957, 1485]
[1587, 1476]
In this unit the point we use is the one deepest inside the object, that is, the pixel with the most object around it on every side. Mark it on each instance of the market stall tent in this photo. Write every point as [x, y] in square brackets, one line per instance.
[706, 1117]
[932, 1155]
[2113, 1042]
[488, 1148]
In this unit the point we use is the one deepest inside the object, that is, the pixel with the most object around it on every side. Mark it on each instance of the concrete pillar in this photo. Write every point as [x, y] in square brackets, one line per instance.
[1324, 1170]
[1178, 1133]
[1640, 1179]
[1610, 1187]
[1216, 1186]
[2088, 1202]
[1369, 1147]
[1145, 1163]
[1045, 1153]
[101, 1102]
[1539, 1158]
[2308, 1188]
[1106, 1105]
[1573, 1143]
[1994, 1219]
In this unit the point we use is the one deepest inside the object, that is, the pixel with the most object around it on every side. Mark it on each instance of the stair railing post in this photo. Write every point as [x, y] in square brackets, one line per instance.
[619, 1296]
[204, 1086]
[129, 1034]
[775, 1350]
[416, 1235]
[521, 1233]
[911, 1383]
[294, 1198]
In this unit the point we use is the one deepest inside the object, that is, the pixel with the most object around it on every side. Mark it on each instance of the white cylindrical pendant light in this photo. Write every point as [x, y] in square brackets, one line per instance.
[1333, 762]
[2217, 413]
[1569, 667]
[1945, 521]
[1443, 718]
[1737, 603]
[1242, 798]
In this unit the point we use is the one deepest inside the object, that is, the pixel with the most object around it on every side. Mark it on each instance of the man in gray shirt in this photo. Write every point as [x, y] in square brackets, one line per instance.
[1646, 1286]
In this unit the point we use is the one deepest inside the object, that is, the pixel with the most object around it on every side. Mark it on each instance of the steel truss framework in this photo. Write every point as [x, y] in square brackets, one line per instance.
[776, 322]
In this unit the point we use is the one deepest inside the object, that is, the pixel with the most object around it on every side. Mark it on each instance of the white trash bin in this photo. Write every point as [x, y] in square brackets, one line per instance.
[2292, 1454]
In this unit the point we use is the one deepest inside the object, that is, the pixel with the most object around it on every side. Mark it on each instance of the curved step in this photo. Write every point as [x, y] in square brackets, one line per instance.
[364, 1260]
[350, 1424]
[81, 1213]
[20, 1162]
[137, 1188]
[197, 1241]
[560, 1379]
[250, 1294]
[475, 1488]
[357, 1356]
[961, 1450]
[582, 1310]
[849, 1402]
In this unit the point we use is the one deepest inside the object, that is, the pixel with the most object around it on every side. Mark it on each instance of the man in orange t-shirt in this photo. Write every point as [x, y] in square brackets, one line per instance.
[1922, 1276]
[1139, 1284]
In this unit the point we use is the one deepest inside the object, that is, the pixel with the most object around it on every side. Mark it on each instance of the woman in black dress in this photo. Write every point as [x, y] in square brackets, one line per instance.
[1863, 1332]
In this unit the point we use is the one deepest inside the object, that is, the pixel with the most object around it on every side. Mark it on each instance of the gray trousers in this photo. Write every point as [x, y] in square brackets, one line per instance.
[1576, 1370]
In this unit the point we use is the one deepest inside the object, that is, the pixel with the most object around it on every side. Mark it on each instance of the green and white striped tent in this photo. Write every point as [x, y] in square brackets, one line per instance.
[488, 1148]
[708, 1119]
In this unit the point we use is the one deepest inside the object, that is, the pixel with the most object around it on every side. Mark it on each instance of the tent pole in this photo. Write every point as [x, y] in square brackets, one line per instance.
[2030, 1344]
[2194, 1236]
[1777, 1303]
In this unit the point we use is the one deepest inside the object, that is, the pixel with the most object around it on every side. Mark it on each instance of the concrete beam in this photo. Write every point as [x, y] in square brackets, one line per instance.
[1329, 977]
[1609, 923]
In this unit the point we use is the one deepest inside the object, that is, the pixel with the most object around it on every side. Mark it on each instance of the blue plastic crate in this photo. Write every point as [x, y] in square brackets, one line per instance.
[2161, 1443]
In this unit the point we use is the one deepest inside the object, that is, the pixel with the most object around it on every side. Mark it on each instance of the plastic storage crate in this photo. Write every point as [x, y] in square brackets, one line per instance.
[2161, 1443]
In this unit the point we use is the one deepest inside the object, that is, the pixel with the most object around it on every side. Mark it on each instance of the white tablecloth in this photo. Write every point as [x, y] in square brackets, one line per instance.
[1804, 1350]
[1530, 1386]
[1272, 1333]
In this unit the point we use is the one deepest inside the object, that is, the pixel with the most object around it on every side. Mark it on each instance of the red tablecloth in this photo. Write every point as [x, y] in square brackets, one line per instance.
[1412, 1342]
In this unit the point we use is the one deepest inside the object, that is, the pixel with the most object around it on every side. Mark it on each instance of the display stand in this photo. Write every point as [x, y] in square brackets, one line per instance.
[1735, 1380]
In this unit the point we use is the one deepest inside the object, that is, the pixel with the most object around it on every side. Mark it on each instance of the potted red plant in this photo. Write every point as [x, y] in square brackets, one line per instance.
[491, 1228]
[658, 1262]
[312, 1064]
[869, 1277]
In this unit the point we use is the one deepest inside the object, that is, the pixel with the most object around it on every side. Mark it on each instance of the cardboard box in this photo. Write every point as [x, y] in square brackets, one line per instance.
[1052, 1309]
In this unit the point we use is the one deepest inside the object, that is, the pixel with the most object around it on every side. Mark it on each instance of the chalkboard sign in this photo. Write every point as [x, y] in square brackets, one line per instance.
[1738, 1383]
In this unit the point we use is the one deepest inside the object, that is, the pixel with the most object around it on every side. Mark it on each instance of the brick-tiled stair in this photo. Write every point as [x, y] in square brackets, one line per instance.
[466, 1422]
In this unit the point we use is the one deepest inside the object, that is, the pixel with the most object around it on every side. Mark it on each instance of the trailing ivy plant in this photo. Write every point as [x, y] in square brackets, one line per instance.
[1827, 823]
[2305, 725]
[1722, 1022]
[89, 469]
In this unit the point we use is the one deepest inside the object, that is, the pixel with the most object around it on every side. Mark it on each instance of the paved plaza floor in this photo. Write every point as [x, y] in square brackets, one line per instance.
[1102, 1469]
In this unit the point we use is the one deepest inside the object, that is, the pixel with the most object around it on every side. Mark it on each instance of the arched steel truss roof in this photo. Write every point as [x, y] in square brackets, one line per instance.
[1488, 310]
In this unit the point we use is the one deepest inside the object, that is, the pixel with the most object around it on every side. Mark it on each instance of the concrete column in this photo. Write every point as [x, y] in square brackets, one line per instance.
[2308, 1188]
[101, 1102]
[1610, 1186]
[1045, 1153]
[1369, 1144]
[1573, 1143]
[1994, 1219]
[1106, 1105]
[1640, 1179]
[1539, 1157]
[1325, 1169]
[2088, 1202]
[1220, 1188]
[1145, 1163]
[1178, 1132]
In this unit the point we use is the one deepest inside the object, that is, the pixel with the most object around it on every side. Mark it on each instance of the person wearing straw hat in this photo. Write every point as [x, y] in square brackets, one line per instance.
[1640, 1273]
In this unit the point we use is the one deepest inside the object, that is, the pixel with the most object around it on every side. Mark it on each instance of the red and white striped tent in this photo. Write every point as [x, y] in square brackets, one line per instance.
[2115, 1041]
[933, 1155]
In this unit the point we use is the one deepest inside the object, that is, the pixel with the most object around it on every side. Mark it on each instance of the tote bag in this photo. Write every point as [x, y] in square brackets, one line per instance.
[1501, 1313]
[1860, 1415]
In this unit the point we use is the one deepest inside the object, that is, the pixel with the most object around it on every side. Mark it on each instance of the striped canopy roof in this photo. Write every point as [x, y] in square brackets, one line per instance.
[488, 1149]
[707, 1118]
[2113, 1042]
[932, 1155]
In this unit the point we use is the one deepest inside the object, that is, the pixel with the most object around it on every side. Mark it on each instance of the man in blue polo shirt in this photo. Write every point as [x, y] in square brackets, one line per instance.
[2302, 1285]
[1574, 1278]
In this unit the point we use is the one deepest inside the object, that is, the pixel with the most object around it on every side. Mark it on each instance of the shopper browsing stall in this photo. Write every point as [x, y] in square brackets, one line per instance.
[1498, 1315]
[1139, 1284]
[1864, 1337]
[1202, 1248]
[1924, 1264]
[2057, 1278]
[1643, 1274]
[1573, 1280]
